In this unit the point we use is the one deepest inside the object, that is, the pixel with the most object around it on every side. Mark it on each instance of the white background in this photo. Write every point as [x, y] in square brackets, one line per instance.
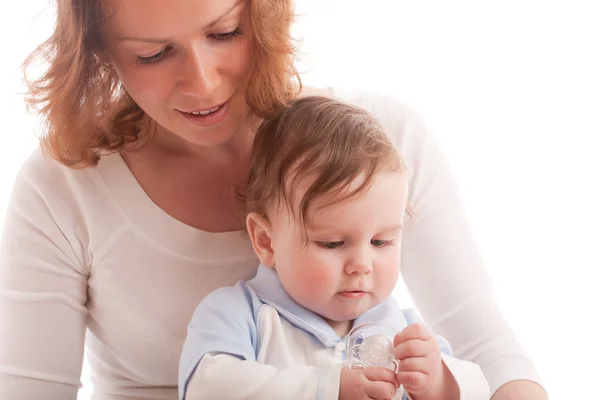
[512, 90]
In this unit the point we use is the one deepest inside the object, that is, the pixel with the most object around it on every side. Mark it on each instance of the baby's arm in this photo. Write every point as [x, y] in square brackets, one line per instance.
[222, 376]
[219, 357]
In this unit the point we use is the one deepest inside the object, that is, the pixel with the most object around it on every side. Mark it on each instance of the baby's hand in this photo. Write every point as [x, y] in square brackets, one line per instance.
[367, 383]
[421, 370]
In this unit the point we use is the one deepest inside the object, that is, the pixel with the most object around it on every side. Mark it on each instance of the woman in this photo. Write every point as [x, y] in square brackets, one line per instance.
[151, 107]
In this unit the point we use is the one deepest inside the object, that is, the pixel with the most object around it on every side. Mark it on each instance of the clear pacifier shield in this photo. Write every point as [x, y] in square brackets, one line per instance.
[371, 345]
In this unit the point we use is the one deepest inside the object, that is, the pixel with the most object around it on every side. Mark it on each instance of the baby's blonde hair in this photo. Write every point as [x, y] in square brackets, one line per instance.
[329, 141]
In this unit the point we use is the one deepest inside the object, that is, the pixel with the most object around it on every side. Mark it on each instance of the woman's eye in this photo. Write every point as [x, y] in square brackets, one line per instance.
[154, 58]
[330, 245]
[221, 37]
[224, 37]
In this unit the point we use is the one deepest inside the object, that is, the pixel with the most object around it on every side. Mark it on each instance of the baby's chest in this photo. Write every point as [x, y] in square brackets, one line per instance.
[283, 345]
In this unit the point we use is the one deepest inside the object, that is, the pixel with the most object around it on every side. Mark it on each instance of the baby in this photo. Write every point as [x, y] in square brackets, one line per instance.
[327, 203]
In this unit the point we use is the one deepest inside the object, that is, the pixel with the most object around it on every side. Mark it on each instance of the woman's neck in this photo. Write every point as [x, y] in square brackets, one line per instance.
[167, 145]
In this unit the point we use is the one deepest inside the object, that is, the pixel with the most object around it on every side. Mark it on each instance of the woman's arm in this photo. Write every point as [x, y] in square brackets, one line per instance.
[441, 264]
[43, 292]
[520, 390]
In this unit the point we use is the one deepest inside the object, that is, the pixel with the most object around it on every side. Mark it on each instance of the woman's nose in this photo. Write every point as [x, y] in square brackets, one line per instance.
[201, 76]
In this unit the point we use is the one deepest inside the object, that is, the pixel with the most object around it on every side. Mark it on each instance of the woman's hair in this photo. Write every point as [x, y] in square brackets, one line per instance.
[86, 111]
[319, 140]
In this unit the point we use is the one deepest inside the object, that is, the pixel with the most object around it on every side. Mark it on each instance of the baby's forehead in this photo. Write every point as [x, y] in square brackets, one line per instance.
[330, 224]
[369, 204]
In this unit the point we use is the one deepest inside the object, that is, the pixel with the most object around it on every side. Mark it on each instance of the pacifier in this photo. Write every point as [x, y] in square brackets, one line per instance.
[371, 345]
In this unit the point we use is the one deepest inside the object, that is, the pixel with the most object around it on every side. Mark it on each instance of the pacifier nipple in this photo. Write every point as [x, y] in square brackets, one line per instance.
[376, 351]
[371, 345]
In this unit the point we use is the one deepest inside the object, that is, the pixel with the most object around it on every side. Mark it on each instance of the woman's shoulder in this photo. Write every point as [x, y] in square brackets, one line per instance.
[404, 124]
[46, 177]
[390, 110]
[374, 101]
[72, 198]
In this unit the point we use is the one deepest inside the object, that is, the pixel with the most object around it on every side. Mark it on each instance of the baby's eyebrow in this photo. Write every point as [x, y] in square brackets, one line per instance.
[316, 227]
[395, 227]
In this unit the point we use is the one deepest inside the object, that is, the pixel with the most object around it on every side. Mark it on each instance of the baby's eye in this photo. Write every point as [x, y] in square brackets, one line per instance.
[330, 245]
[379, 243]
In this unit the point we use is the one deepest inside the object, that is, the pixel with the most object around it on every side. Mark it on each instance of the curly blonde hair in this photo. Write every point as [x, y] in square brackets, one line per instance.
[85, 110]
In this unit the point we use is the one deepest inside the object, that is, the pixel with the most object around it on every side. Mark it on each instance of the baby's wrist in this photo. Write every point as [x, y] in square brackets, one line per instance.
[445, 388]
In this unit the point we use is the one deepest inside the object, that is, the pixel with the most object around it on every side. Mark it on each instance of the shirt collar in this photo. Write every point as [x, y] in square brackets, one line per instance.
[268, 288]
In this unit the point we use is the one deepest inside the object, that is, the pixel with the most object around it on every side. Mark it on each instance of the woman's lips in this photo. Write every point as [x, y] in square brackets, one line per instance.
[207, 117]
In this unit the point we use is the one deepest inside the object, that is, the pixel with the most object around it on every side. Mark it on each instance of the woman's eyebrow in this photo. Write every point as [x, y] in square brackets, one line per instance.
[208, 26]
[222, 16]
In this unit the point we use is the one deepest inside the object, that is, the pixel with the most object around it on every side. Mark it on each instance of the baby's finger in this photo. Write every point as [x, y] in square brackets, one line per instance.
[413, 348]
[413, 382]
[380, 390]
[378, 374]
[413, 331]
[415, 364]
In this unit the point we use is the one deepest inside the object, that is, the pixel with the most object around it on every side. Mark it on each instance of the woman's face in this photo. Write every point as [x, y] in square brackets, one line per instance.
[185, 63]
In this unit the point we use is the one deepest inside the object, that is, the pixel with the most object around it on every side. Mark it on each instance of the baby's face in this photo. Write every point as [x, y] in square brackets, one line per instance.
[351, 259]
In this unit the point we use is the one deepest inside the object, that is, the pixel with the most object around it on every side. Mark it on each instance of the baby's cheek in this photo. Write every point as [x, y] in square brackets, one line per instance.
[387, 279]
[314, 281]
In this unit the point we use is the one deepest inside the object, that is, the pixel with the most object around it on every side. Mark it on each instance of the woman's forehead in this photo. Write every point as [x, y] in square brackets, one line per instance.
[167, 18]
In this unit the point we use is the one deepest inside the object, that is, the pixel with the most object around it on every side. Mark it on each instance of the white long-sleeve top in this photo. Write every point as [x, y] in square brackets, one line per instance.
[277, 350]
[88, 251]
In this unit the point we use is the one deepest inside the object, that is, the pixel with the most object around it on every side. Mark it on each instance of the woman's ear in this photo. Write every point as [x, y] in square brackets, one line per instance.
[260, 231]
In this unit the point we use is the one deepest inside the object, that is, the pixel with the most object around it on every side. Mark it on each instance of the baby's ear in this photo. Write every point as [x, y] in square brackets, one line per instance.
[260, 231]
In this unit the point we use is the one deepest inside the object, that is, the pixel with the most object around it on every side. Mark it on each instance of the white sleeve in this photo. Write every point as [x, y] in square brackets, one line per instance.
[471, 382]
[43, 292]
[221, 376]
[441, 263]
